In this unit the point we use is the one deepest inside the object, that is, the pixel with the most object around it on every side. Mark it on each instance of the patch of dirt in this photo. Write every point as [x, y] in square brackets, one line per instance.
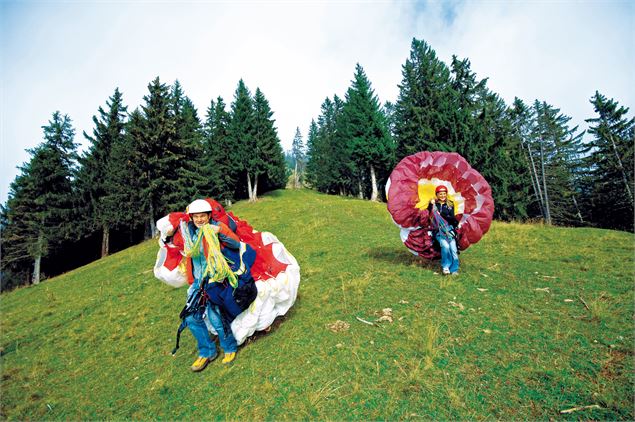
[614, 367]
[339, 326]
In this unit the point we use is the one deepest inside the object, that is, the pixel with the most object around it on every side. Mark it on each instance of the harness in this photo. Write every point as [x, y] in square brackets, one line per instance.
[197, 301]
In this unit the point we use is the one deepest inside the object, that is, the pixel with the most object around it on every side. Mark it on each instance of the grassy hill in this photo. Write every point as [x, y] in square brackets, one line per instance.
[539, 321]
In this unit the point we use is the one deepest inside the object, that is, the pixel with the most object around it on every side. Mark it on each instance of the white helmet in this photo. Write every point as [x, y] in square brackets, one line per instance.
[199, 205]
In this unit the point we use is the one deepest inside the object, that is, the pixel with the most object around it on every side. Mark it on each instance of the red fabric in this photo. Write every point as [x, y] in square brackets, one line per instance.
[266, 265]
[403, 196]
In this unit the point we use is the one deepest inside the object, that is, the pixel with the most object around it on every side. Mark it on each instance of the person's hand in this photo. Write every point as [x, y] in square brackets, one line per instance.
[432, 201]
[215, 228]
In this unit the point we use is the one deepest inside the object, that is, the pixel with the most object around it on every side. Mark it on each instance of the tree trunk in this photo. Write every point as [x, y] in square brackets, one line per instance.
[535, 181]
[36, 269]
[153, 228]
[544, 184]
[254, 190]
[295, 175]
[359, 189]
[249, 192]
[105, 240]
[579, 214]
[621, 167]
[373, 181]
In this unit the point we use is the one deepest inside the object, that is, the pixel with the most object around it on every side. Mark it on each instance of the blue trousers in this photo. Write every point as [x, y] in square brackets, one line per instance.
[207, 346]
[449, 254]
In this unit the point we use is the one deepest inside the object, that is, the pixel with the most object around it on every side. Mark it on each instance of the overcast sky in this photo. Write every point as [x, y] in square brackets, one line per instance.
[70, 55]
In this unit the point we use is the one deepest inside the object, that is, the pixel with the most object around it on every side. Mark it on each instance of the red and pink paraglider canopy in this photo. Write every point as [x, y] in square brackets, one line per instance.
[411, 186]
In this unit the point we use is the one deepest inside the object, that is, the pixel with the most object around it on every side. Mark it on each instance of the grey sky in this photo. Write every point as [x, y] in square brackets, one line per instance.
[70, 55]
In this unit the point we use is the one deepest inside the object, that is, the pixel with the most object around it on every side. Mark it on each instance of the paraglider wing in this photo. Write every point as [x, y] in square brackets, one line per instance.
[412, 185]
[275, 270]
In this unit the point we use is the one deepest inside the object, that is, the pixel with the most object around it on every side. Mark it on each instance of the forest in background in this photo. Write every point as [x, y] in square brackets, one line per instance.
[142, 164]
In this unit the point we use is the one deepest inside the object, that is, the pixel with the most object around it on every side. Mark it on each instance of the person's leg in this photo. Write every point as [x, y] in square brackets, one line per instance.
[206, 347]
[446, 256]
[226, 337]
[454, 253]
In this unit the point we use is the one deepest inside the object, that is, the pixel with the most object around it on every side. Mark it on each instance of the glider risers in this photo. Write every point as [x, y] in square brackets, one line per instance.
[275, 270]
[411, 186]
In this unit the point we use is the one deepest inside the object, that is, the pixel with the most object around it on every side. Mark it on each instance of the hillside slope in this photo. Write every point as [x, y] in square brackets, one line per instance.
[539, 321]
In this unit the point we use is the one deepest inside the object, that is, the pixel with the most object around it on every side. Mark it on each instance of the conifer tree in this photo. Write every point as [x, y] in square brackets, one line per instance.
[241, 139]
[94, 179]
[160, 154]
[217, 165]
[266, 161]
[522, 121]
[612, 164]
[423, 111]
[297, 153]
[40, 210]
[126, 169]
[363, 126]
[189, 142]
[329, 167]
[560, 153]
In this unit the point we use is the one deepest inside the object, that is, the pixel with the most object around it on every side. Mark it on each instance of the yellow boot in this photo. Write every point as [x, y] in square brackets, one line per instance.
[200, 364]
[229, 358]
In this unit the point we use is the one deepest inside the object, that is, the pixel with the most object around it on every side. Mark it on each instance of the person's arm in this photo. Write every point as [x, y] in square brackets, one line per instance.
[227, 237]
[449, 216]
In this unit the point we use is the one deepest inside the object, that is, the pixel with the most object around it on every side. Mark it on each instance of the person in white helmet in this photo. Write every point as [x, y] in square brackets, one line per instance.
[200, 272]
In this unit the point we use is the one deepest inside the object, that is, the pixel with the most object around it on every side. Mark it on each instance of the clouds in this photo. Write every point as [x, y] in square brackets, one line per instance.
[70, 56]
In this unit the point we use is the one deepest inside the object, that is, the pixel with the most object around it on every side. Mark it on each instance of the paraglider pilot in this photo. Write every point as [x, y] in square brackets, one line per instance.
[445, 223]
[208, 265]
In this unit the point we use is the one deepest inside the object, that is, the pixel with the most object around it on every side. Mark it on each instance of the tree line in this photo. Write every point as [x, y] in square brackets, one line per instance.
[537, 164]
[138, 167]
[142, 164]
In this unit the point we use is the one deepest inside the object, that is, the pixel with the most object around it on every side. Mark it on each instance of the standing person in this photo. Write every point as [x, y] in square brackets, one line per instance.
[442, 212]
[204, 240]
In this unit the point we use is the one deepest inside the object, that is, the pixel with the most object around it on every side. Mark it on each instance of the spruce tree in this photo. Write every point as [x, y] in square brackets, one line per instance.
[40, 210]
[611, 164]
[161, 155]
[364, 127]
[217, 165]
[95, 181]
[423, 111]
[266, 162]
[297, 154]
[189, 141]
[126, 175]
[560, 151]
[241, 139]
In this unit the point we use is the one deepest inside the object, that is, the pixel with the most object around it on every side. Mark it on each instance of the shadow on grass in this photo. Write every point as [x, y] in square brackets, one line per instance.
[400, 256]
[273, 327]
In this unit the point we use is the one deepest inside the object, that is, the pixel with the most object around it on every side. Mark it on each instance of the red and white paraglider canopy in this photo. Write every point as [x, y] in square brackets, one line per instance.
[411, 186]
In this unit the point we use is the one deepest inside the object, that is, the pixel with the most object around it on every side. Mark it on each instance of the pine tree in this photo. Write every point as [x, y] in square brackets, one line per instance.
[297, 153]
[329, 169]
[126, 175]
[612, 164]
[522, 121]
[497, 155]
[160, 154]
[363, 126]
[241, 139]
[423, 111]
[94, 179]
[560, 155]
[189, 138]
[217, 166]
[267, 159]
[40, 209]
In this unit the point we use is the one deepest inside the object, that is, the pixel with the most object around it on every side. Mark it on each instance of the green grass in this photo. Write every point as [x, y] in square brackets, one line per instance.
[540, 320]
